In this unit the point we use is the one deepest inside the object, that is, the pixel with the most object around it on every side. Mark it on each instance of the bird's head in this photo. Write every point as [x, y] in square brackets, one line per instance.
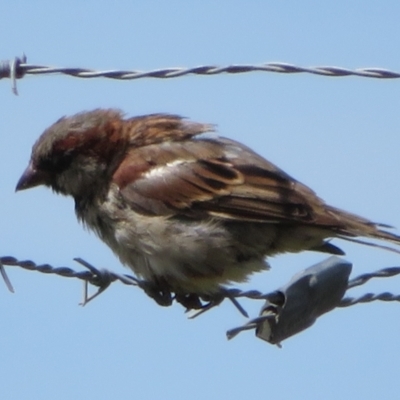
[76, 154]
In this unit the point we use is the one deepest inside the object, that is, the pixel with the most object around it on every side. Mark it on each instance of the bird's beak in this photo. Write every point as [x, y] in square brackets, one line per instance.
[31, 178]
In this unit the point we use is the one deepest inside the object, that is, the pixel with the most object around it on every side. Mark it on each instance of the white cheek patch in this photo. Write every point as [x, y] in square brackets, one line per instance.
[158, 172]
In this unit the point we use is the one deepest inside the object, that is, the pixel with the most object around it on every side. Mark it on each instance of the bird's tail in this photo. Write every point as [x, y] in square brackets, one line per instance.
[351, 226]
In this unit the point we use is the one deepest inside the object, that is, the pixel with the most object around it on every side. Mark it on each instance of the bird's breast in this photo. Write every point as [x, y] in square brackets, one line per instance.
[190, 255]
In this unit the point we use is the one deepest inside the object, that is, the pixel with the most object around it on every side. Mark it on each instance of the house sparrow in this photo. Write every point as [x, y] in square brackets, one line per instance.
[186, 211]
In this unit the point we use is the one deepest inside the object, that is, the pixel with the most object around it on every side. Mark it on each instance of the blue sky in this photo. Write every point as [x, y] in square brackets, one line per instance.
[340, 136]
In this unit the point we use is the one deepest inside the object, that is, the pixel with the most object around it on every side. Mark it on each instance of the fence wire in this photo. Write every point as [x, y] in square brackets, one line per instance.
[17, 68]
[103, 278]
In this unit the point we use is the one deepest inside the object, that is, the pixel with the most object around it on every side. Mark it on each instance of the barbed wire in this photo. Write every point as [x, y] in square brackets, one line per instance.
[18, 68]
[104, 277]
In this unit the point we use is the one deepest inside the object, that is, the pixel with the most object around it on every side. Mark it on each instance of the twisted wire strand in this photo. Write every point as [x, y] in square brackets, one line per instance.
[368, 298]
[175, 72]
[18, 68]
[382, 273]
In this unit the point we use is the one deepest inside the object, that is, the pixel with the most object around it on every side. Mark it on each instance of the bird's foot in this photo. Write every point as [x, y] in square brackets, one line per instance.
[210, 301]
[190, 301]
[159, 294]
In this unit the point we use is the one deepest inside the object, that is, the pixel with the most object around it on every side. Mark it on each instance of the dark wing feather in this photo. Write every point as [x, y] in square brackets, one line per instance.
[220, 178]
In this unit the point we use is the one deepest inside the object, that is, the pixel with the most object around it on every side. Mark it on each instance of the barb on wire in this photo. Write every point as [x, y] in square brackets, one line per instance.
[255, 323]
[17, 68]
[250, 325]
[6, 278]
[13, 69]
[100, 278]
[310, 294]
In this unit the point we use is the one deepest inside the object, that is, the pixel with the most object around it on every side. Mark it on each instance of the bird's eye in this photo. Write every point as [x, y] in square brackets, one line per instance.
[55, 163]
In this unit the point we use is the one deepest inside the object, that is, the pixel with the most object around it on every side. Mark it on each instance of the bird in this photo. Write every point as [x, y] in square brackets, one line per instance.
[187, 210]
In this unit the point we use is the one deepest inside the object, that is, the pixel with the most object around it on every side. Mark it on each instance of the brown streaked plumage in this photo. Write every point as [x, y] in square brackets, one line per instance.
[188, 212]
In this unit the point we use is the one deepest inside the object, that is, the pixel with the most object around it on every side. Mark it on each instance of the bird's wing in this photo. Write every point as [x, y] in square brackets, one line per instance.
[215, 177]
